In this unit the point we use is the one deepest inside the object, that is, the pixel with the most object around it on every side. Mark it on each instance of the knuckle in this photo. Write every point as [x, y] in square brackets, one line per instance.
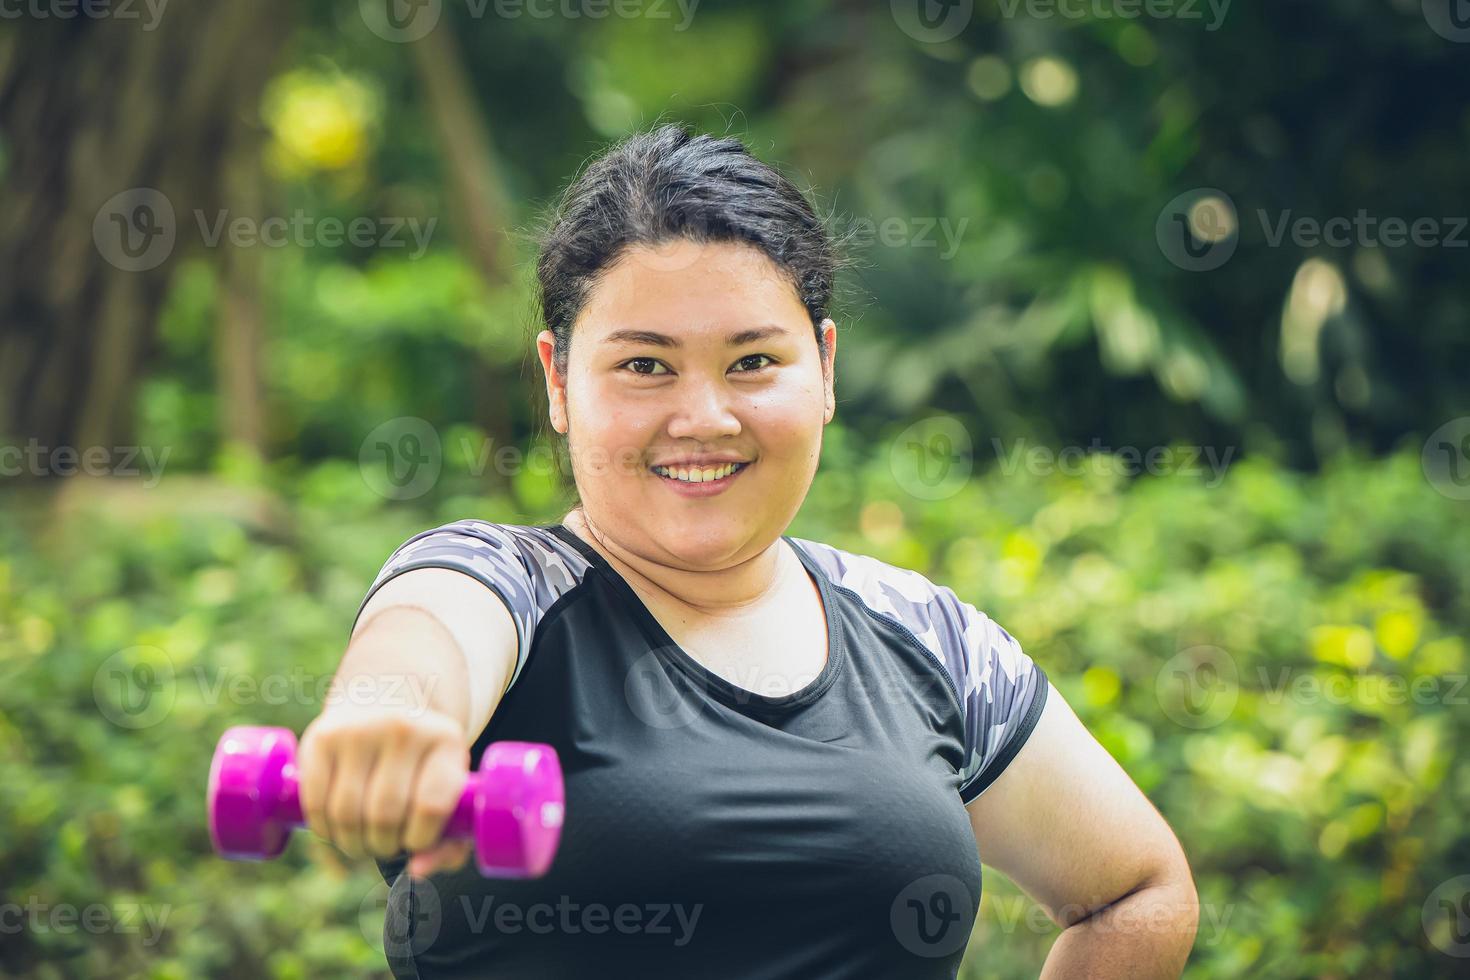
[319, 732]
[398, 726]
[343, 815]
[388, 797]
[316, 754]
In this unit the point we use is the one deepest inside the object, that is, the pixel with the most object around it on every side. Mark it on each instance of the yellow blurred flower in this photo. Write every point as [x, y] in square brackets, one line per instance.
[1397, 631]
[1346, 646]
[319, 121]
[1100, 685]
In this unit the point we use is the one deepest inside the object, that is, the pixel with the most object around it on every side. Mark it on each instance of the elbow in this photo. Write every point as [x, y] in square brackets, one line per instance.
[1180, 913]
[1173, 893]
[1191, 906]
[1164, 903]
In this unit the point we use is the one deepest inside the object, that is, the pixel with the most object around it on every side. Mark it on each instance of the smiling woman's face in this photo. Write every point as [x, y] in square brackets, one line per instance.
[684, 352]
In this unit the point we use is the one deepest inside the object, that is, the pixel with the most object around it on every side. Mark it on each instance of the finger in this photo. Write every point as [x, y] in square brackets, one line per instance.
[386, 800]
[440, 782]
[314, 772]
[456, 854]
[345, 797]
[448, 856]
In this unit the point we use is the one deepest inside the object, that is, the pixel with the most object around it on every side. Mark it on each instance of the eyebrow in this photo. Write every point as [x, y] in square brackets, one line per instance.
[652, 338]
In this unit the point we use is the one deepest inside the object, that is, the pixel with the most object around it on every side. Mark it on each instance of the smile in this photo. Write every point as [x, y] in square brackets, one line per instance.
[705, 479]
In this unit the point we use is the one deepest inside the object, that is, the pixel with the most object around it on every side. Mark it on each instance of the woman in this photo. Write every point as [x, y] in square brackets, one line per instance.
[782, 759]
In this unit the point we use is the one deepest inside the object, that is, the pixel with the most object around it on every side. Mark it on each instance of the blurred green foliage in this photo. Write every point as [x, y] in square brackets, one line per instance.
[998, 189]
[998, 192]
[1249, 651]
[1317, 824]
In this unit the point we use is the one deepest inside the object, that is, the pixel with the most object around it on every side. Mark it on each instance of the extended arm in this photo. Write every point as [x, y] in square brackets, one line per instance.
[384, 764]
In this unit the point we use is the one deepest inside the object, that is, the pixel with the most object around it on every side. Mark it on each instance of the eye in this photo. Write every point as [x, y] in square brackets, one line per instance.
[751, 357]
[642, 360]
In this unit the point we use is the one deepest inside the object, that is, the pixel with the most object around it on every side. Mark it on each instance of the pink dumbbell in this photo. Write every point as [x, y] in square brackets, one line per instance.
[511, 807]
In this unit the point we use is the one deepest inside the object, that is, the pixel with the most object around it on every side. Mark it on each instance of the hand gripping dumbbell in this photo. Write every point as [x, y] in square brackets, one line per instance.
[511, 807]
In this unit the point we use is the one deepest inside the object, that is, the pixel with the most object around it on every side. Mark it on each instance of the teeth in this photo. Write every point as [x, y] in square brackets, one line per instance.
[698, 475]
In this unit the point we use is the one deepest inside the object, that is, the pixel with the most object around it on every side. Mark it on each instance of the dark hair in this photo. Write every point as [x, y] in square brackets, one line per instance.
[666, 183]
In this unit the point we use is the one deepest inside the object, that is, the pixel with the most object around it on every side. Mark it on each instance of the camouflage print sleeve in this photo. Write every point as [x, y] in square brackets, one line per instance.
[1001, 689]
[526, 575]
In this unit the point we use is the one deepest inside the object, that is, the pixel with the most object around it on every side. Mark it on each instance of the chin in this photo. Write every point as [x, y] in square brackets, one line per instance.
[702, 546]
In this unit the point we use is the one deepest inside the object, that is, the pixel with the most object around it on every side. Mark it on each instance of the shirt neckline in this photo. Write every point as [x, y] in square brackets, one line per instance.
[739, 698]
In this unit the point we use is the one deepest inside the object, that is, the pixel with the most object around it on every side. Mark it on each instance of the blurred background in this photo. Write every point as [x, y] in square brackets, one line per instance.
[1153, 346]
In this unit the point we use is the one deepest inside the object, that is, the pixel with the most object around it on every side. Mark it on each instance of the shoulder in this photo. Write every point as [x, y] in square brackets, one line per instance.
[1001, 690]
[529, 566]
[536, 549]
[941, 621]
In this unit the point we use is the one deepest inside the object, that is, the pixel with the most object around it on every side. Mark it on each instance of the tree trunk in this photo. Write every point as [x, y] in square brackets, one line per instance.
[115, 136]
[240, 329]
[479, 201]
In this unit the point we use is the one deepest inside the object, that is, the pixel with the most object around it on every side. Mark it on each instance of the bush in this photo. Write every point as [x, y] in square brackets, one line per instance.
[1277, 660]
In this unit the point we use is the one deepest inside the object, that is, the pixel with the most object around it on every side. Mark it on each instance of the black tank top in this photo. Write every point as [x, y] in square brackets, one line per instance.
[711, 830]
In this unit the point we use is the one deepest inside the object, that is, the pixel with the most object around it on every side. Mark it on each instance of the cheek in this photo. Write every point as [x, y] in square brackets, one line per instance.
[786, 416]
[614, 438]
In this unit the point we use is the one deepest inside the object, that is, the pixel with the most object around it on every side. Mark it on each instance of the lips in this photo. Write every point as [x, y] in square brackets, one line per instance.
[701, 488]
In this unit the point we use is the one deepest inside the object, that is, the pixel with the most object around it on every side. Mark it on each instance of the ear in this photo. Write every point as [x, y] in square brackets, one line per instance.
[556, 385]
[829, 369]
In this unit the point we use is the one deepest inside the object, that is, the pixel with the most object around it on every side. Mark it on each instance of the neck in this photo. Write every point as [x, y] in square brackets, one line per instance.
[717, 592]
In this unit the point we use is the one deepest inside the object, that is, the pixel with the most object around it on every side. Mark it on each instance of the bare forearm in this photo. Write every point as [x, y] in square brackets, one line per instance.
[403, 659]
[1147, 934]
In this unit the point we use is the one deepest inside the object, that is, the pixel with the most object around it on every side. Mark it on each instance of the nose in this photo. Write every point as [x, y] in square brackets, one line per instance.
[703, 410]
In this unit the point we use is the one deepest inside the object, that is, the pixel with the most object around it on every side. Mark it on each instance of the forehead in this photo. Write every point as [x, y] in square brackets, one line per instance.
[686, 288]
